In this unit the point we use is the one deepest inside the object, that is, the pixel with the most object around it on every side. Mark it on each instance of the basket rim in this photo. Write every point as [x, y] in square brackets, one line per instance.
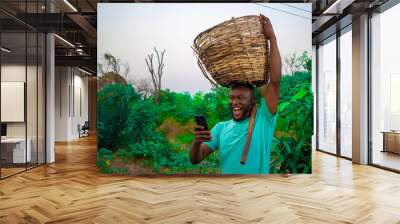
[196, 48]
[221, 24]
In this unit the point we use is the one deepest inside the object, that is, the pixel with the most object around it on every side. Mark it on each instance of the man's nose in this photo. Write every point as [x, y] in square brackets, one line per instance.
[234, 101]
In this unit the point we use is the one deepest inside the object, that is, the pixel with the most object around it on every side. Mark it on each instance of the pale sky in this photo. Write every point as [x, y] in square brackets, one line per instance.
[130, 30]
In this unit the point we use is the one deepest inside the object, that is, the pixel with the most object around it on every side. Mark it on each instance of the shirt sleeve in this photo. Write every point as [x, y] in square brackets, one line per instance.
[264, 111]
[215, 134]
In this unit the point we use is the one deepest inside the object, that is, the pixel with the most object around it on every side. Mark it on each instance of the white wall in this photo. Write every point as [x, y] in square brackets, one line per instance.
[12, 73]
[33, 127]
[62, 81]
[16, 73]
[71, 94]
[80, 110]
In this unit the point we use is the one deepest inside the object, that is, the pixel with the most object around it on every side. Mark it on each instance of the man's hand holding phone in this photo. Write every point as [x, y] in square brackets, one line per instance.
[201, 135]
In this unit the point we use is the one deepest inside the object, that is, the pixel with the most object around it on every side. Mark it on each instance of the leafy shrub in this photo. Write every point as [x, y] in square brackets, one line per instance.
[113, 108]
[218, 104]
[290, 82]
[104, 158]
[186, 138]
[175, 105]
[141, 122]
[291, 151]
[132, 128]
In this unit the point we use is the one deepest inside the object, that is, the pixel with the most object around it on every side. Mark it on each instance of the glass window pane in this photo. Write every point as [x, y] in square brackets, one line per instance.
[23, 87]
[385, 84]
[31, 97]
[327, 96]
[346, 94]
[13, 86]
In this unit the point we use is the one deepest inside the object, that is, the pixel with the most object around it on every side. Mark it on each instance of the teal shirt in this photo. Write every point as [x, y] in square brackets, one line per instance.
[230, 137]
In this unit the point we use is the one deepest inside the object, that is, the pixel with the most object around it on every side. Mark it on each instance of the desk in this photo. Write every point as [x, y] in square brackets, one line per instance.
[391, 141]
[16, 147]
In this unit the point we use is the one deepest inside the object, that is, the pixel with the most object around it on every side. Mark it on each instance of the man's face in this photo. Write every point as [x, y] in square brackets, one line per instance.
[240, 103]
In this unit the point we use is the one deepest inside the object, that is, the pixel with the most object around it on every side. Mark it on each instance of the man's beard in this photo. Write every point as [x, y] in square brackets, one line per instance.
[246, 112]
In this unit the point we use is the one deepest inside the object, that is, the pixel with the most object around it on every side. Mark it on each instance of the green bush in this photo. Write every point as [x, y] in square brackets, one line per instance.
[186, 138]
[114, 103]
[104, 159]
[291, 151]
[128, 124]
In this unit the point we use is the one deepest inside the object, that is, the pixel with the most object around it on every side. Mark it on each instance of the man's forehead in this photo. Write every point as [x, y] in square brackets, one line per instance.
[240, 91]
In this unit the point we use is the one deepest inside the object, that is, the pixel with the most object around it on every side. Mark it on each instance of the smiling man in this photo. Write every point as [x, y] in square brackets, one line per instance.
[230, 136]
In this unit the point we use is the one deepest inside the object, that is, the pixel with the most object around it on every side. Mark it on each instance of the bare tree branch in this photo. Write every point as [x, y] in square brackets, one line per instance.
[156, 78]
[292, 63]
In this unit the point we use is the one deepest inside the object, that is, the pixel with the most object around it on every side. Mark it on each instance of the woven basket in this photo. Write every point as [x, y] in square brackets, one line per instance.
[234, 51]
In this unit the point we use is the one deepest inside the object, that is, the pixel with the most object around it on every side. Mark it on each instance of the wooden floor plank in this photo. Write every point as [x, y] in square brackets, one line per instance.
[72, 191]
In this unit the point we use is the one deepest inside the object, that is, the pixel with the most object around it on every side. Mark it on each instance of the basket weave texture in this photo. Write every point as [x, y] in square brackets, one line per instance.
[234, 51]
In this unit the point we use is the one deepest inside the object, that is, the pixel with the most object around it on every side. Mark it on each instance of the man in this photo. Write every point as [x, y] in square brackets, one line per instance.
[230, 136]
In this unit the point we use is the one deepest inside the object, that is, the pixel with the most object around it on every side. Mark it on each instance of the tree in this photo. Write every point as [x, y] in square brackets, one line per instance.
[156, 75]
[295, 63]
[292, 63]
[114, 107]
[143, 86]
[110, 71]
[306, 61]
[113, 64]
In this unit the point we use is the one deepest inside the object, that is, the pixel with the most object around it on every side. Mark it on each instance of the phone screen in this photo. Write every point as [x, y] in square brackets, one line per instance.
[201, 120]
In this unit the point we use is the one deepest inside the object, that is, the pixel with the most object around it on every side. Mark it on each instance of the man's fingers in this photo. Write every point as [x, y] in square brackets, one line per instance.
[202, 132]
[203, 136]
[203, 139]
[208, 138]
[199, 131]
[198, 127]
[266, 24]
[264, 18]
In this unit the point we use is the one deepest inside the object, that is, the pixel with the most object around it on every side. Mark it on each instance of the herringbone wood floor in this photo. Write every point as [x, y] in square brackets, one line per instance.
[71, 191]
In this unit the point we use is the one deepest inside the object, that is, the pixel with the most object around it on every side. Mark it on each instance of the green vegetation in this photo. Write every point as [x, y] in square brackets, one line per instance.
[134, 128]
[291, 152]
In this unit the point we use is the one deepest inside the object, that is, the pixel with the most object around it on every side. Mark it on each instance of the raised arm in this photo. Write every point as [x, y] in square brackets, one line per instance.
[271, 95]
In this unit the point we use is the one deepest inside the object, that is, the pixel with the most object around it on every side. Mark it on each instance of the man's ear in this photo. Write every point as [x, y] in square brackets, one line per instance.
[253, 99]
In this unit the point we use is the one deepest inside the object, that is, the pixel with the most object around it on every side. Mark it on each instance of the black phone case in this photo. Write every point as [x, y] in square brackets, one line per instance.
[201, 120]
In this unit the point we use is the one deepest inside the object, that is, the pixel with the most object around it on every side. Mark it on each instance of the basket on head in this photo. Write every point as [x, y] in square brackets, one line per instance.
[234, 51]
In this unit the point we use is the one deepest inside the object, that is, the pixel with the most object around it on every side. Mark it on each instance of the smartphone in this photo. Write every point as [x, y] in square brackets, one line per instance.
[201, 120]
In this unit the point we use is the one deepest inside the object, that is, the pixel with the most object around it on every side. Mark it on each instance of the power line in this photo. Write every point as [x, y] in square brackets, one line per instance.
[296, 7]
[293, 14]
